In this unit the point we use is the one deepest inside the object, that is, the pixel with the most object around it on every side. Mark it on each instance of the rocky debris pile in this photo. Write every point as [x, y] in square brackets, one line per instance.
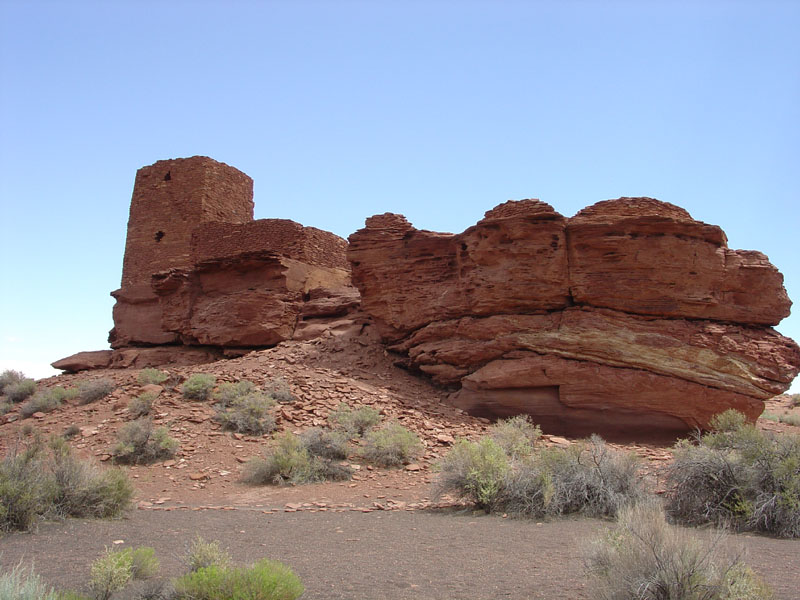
[629, 317]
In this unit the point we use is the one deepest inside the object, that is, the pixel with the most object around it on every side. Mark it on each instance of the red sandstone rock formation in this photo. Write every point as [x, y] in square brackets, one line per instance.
[630, 314]
[201, 279]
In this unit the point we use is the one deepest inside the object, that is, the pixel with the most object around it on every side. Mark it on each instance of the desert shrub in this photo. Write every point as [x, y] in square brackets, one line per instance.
[97, 389]
[201, 554]
[740, 477]
[474, 471]
[50, 481]
[288, 461]
[5, 407]
[199, 386]
[516, 436]
[141, 405]
[265, 580]
[20, 390]
[44, 401]
[71, 431]
[391, 446]
[643, 557]
[790, 419]
[24, 584]
[248, 414]
[139, 443]
[325, 443]
[152, 376]
[279, 390]
[768, 416]
[81, 489]
[354, 422]
[588, 477]
[9, 377]
[795, 400]
[112, 571]
[228, 393]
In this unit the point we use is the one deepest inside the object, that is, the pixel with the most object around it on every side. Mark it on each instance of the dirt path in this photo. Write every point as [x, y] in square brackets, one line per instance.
[371, 556]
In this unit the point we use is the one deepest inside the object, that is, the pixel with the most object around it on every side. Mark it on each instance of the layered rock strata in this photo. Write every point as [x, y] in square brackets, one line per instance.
[631, 314]
[202, 279]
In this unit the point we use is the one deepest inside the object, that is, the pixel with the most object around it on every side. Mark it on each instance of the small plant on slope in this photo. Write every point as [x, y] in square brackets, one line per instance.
[199, 386]
[391, 446]
[139, 443]
[152, 376]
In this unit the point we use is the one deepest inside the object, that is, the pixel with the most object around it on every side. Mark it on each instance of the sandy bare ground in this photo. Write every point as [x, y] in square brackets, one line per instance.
[371, 556]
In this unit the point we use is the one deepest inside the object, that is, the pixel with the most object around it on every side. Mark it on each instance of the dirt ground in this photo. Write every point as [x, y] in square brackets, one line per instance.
[395, 555]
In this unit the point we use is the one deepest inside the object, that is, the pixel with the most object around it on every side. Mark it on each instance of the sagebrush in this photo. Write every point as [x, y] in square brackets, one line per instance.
[140, 443]
[199, 386]
[737, 476]
[644, 557]
[289, 461]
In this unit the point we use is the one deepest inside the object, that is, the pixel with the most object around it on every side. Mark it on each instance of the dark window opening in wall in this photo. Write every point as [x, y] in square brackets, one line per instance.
[167, 177]
[159, 236]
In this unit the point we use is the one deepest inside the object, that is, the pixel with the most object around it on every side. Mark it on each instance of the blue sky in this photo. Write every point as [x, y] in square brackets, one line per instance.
[438, 110]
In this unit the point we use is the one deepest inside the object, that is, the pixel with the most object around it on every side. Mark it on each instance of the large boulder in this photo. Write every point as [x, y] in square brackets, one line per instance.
[629, 316]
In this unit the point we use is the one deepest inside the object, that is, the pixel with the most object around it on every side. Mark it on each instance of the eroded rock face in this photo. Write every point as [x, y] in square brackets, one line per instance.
[201, 279]
[630, 315]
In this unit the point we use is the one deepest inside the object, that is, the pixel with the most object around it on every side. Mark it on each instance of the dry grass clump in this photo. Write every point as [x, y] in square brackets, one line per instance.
[244, 408]
[737, 476]
[46, 400]
[201, 554]
[391, 446]
[16, 387]
[645, 558]
[279, 390]
[587, 477]
[97, 389]
[24, 584]
[326, 443]
[354, 421]
[199, 386]
[141, 405]
[139, 443]
[288, 461]
[112, 571]
[48, 480]
[152, 376]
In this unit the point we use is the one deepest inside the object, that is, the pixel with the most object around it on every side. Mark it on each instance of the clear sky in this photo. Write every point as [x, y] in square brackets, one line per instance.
[339, 110]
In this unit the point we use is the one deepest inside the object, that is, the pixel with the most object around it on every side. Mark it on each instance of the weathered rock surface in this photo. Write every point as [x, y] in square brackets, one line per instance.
[82, 361]
[630, 314]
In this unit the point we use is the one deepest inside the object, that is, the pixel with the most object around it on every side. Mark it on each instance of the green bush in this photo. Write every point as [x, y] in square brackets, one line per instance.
[474, 471]
[19, 391]
[265, 580]
[199, 386]
[516, 436]
[201, 554]
[228, 393]
[112, 571]
[139, 443]
[10, 377]
[50, 481]
[645, 558]
[141, 405]
[248, 414]
[391, 446]
[152, 376]
[5, 407]
[354, 422]
[97, 389]
[289, 461]
[588, 477]
[325, 443]
[737, 476]
[24, 584]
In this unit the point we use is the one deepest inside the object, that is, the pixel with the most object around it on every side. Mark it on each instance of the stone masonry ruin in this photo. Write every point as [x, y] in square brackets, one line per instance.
[629, 315]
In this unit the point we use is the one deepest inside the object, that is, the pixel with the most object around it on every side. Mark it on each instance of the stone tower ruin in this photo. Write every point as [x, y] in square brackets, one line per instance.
[171, 198]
